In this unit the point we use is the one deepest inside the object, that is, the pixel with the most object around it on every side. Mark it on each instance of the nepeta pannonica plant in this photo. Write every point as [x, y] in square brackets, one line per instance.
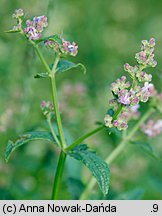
[124, 106]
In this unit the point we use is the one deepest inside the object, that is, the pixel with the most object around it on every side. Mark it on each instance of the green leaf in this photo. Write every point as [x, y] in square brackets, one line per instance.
[12, 31]
[65, 65]
[41, 75]
[25, 138]
[94, 163]
[147, 148]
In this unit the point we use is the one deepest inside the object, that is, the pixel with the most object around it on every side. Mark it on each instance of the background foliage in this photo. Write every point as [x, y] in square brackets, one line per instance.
[108, 34]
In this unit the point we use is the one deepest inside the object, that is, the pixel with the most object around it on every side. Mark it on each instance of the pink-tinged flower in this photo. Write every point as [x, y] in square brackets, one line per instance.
[65, 47]
[146, 56]
[35, 27]
[128, 97]
[152, 128]
[53, 45]
[152, 42]
[146, 91]
[131, 113]
[46, 107]
[115, 123]
[32, 33]
[120, 123]
[119, 85]
[143, 76]
[132, 70]
[18, 14]
[124, 97]
[70, 48]
[40, 23]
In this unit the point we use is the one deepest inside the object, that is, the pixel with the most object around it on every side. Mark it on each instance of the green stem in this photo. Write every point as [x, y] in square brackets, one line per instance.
[61, 163]
[117, 151]
[117, 112]
[53, 132]
[42, 58]
[55, 65]
[82, 138]
[58, 176]
[54, 92]
[57, 113]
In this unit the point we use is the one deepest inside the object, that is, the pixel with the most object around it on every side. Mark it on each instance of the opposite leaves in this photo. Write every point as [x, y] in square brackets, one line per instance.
[94, 163]
[25, 138]
[63, 65]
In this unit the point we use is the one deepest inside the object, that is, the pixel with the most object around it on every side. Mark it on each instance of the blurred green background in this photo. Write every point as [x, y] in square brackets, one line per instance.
[108, 34]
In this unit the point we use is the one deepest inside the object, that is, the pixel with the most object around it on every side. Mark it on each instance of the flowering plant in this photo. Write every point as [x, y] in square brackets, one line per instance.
[123, 107]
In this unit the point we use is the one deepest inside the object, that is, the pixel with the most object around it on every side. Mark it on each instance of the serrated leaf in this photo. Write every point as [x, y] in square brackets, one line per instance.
[25, 138]
[12, 31]
[41, 75]
[97, 166]
[147, 148]
[65, 65]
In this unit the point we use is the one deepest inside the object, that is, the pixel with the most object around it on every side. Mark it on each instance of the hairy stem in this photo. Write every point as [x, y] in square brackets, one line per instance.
[58, 176]
[117, 151]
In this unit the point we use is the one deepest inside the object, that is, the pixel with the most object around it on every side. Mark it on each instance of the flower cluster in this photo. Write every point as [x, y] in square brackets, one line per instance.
[121, 122]
[146, 56]
[127, 94]
[32, 29]
[62, 46]
[18, 14]
[46, 107]
[152, 128]
[35, 27]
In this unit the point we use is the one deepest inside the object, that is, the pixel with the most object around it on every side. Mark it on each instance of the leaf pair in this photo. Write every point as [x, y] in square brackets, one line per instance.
[63, 65]
[89, 158]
